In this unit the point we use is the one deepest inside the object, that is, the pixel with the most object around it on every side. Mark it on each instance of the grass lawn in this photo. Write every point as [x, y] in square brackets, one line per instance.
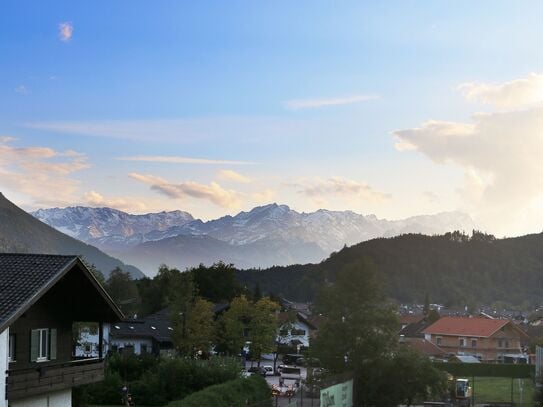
[498, 389]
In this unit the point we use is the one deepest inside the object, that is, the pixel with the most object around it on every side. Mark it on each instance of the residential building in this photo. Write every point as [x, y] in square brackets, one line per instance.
[41, 297]
[152, 334]
[489, 340]
[295, 329]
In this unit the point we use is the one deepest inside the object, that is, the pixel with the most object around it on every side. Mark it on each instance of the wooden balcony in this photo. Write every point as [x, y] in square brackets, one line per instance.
[44, 379]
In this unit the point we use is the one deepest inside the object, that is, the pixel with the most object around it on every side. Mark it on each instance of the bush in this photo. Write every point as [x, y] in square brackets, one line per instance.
[154, 382]
[239, 392]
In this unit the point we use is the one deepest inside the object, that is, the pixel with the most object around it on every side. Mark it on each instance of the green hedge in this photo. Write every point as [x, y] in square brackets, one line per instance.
[239, 392]
[519, 371]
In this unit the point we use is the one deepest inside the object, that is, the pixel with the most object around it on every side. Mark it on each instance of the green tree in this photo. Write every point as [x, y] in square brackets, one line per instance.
[257, 293]
[217, 283]
[263, 327]
[234, 324]
[124, 291]
[426, 308]
[199, 332]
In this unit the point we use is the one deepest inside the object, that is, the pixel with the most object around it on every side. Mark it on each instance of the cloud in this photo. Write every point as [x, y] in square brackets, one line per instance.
[500, 154]
[6, 139]
[507, 95]
[213, 192]
[297, 104]
[22, 90]
[40, 172]
[127, 204]
[182, 160]
[229, 175]
[338, 186]
[65, 31]
[264, 196]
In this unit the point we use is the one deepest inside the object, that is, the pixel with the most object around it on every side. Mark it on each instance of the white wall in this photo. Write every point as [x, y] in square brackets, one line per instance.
[302, 338]
[4, 338]
[61, 398]
[121, 343]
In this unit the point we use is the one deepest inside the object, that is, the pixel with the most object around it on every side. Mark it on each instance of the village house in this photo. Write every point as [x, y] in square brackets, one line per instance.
[41, 297]
[152, 334]
[295, 329]
[487, 339]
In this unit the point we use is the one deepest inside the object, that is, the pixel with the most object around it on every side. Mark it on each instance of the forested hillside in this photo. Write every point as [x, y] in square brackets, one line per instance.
[454, 269]
[22, 233]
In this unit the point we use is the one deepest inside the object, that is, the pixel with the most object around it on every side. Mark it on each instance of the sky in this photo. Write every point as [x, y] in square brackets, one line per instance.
[394, 108]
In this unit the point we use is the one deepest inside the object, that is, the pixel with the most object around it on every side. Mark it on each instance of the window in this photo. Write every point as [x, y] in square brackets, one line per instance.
[11, 350]
[506, 343]
[298, 331]
[474, 343]
[43, 344]
[143, 348]
[438, 340]
[462, 342]
[283, 332]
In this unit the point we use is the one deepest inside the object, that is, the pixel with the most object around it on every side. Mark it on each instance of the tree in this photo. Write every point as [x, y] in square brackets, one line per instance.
[411, 376]
[217, 283]
[234, 324]
[198, 334]
[257, 293]
[124, 291]
[426, 308]
[263, 327]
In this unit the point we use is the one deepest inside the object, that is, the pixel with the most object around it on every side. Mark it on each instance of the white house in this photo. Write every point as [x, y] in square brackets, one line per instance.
[295, 330]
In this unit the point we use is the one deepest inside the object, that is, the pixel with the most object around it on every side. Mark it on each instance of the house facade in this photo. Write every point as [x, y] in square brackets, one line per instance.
[295, 330]
[41, 297]
[489, 340]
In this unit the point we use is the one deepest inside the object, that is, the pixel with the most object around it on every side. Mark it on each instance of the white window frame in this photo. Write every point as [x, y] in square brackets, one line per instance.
[461, 342]
[11, 348]
[43, 354]
[439, 340]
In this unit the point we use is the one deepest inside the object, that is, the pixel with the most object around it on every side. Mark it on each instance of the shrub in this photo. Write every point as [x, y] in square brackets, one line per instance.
[237, 392]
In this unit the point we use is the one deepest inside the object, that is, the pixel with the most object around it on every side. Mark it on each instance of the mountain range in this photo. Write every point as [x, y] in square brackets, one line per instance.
[264, 236]
[22, 233]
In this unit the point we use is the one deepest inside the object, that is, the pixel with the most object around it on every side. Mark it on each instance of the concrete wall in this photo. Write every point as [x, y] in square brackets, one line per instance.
[4, 338]
[55, 399]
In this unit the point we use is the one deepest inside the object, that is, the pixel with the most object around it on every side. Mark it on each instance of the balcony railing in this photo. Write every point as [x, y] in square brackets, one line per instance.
[22, 383]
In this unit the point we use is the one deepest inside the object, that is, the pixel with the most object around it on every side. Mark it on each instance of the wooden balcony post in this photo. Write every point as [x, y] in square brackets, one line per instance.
[100, 340]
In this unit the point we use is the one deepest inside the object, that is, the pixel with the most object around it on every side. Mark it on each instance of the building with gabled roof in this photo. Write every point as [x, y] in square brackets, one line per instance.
[490, 340]
[41, 296]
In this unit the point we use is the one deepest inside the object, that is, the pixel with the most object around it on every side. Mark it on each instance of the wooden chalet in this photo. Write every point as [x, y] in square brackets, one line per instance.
[41, 296]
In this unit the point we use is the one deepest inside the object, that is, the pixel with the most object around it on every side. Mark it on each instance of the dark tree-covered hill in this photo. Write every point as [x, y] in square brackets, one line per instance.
[453, 269]
[21, 232]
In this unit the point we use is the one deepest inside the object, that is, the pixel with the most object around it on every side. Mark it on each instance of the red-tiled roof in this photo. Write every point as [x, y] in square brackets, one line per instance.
[407, 319]
[464, 326]
[425, 347]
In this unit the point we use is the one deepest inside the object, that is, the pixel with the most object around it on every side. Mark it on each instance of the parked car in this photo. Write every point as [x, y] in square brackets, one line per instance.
[257, 370]
[245, 373]
[291, 358]
[290, 373]
[269, 370]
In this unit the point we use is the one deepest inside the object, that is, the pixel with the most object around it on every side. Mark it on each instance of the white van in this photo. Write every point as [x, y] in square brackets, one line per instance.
[290, 373]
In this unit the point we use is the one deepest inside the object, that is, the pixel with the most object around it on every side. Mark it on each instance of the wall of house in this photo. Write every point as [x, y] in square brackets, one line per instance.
[40, 316]
[4, 338]
[486, 348]
[135, 342]
[61, 398]
[304, 339]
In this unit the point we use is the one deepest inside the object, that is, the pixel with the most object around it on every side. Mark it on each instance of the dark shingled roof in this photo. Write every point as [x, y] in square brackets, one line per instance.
[24, 278]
